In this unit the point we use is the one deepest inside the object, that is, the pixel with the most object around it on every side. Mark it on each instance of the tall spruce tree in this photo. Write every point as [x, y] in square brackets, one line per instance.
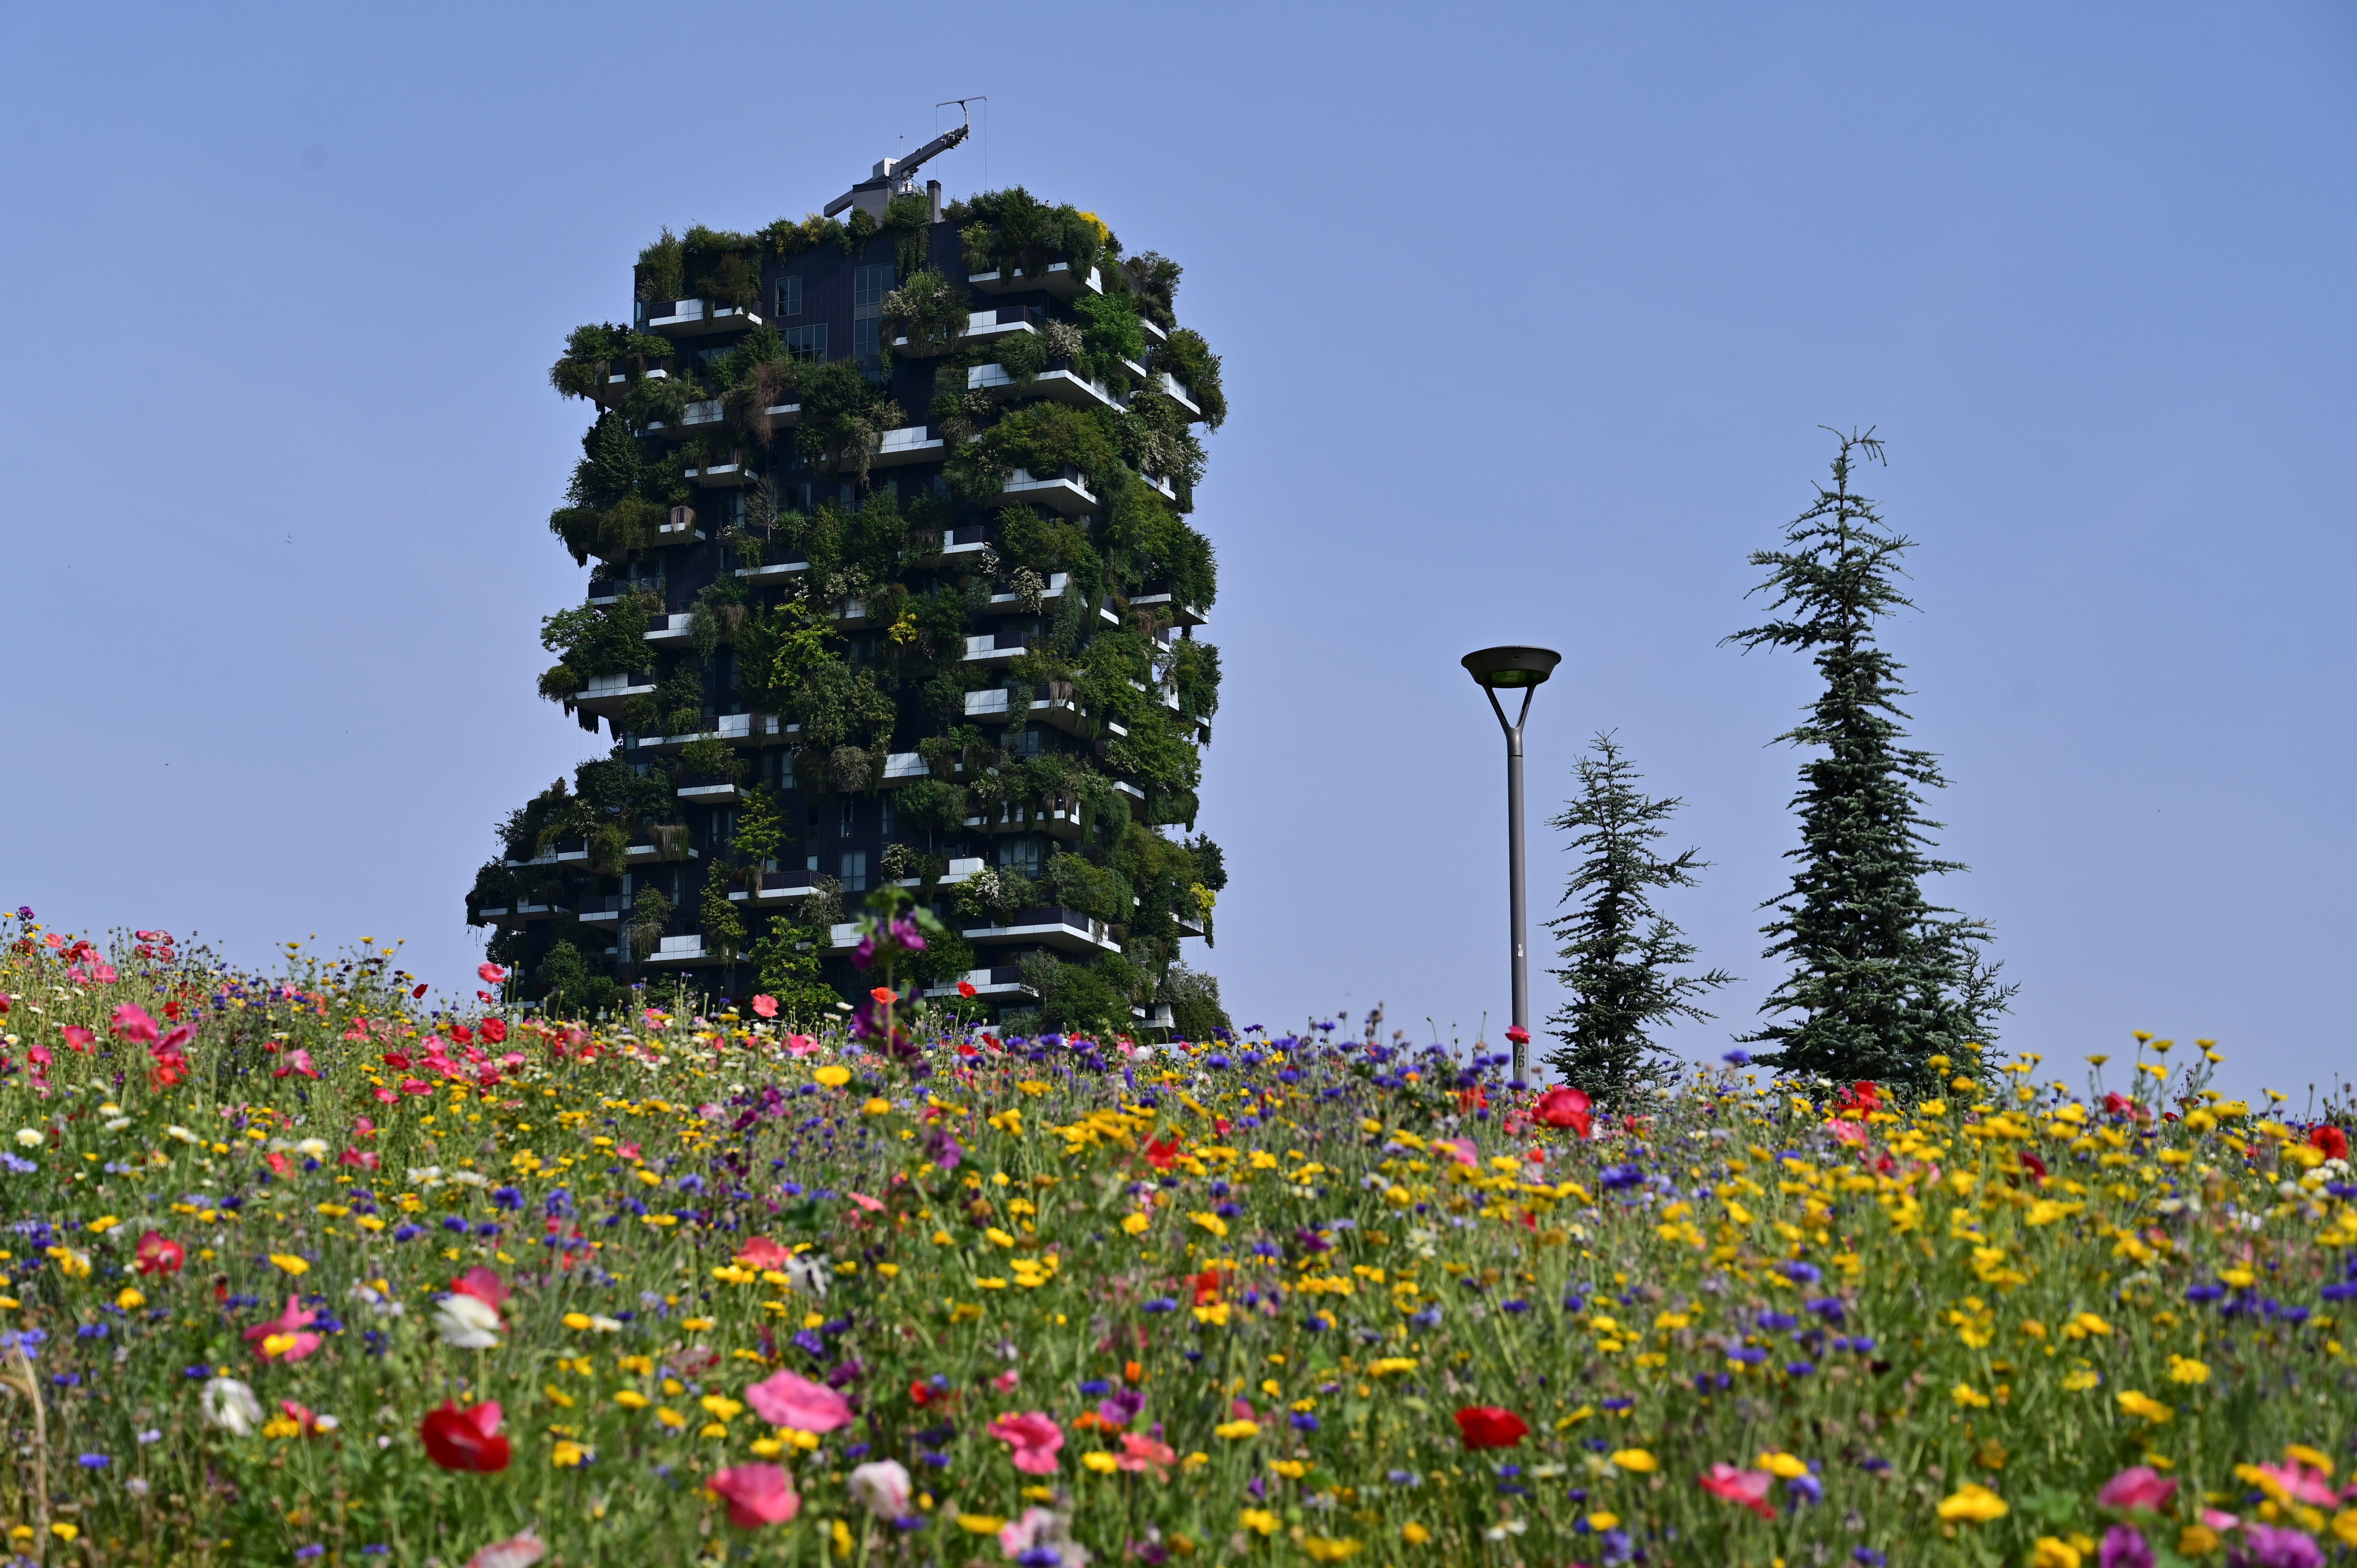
[1622, 957]
[1882, 979]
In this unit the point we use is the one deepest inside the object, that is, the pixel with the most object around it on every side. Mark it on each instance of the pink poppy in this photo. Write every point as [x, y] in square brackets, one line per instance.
[1139, 1452]
[516, 1551]
[2301, 1483]
[761, 1252]
[1847, 1132]
[1034, 1436]
[765, 1006]
[1748, 1488]
[800, 1044]
[131, 1022]
[1006, 1381]
[784, 1399]
[492, 973]
[865, 1202]
[1464, 1151]
[290, 1325]
[297, 1060]
[484, 1284]
[79, 1038]
[756, 1495]
[2137, 1487]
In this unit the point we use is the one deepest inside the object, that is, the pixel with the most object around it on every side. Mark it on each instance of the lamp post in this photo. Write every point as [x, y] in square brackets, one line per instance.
[1494, 668]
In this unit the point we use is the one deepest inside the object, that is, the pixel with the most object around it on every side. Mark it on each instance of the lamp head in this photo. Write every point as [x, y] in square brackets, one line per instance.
[1508, 667]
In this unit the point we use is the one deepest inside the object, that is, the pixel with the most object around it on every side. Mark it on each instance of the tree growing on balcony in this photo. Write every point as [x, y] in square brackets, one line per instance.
[1626, 965]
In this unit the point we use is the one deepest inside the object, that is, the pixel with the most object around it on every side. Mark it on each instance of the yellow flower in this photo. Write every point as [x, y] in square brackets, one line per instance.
[630, 1399]
[670, 1417]
[1104, 1464]
[721, 1407]
[1386, 1366]
[1965, 1394]
[2344, 1527]
[1236, 1431]
[2084, 1379]
[2050, 1553]
[2300, 1453]
[1212, 1222]
[876, 1107]
[1641, 1461]
[1260, 1519]
[290, 1263]
[103, 1223]
[567, 1454]
[556, 1395]
[576, 1321]
[1413, 1533]
[64, 1532]
[2183, 1370]
[1322, 1549]
[2138, 1404]
[981, 1523]
[1216, 1315]
[1973, 1503]
[1603, 1519]
[2197, 1541]
[1135, 1224]
[130, 1300]
[832, 1077]
[1784, 1467]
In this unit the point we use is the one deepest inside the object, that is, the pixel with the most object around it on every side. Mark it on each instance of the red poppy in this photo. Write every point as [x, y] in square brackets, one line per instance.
[495, 1030]
[159, 1256]
[1162, 1154]
[1861, 1097]
[465, 1439]
[463, 1034]
[1207, 1287]
[1488, 1426]
[885, 995]
[1517, 1034]
[922, 1394]
[2033, 1165]
[2118, 1104]
[1563, 1108]
[965, 988]
[2331, 1141]
[486, 1286]
[418, 990]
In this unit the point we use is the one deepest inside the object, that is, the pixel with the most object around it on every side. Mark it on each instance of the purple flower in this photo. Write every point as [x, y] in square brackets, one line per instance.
[2123, 1547]
[1737, 1058]
[2272, 1546]
[1122, 1407]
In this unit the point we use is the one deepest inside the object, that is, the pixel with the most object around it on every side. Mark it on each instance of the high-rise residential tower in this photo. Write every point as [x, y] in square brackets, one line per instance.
[891, 580]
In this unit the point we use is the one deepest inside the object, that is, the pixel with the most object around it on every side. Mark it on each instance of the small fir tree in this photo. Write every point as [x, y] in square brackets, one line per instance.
[1882, 979]
[1622, 957]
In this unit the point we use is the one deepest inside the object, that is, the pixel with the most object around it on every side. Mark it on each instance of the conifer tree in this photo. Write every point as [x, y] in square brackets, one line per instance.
[1621, 957]
[1882, 978]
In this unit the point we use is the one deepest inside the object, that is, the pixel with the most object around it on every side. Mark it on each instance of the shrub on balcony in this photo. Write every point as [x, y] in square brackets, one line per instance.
[1153, 280]
[1013, 228]
[1044, 438]
[713, 759]
[1189, 361]
[929, 310]
[649, 913]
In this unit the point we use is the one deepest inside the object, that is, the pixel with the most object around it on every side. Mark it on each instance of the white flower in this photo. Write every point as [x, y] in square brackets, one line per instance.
[325, 1423]
[516, 1552]
[420, 1174]
[467, 1322]
[312, 1148]
[231, 1405]
[807, 1272]
[117, 1123]
[471, 1179]
[376, 1301]
[883, 1486]
[28, 1138]
[182, 1134]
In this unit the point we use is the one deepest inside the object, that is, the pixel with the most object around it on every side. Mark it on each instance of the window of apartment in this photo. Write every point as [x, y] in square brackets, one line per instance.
[889, 824]
[869, 287]
[1026, 743]
[789, 295]
[848, 820]
[854, 871]
[1021, 855]
[806, 343]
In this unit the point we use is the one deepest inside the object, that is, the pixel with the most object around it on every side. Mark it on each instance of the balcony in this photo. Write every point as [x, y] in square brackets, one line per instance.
[606, 694]
[967, 541]
[700, 418]
[1006, 980]
[905, 768]
[677, 319]
[995, 647]
[1160, 487]
[732, 469]
[576, 853]
[668, 630]
[1059, 710]
[600, 908]
[1180, 615]
[774, 573]
[1057, 278]
[784, 413]
[1064, 492]
[1060, 817]
[1007, 603]
[1066, 930]
[1059, 386]
[681, 527]
[1159, 1018]
[852, 614]
[1154, 336]
[910, 444]
[677, 952]
[668, 843]
[1177, 395]
[618, 386]
[962, 868]
[758, 729]
[710, 793]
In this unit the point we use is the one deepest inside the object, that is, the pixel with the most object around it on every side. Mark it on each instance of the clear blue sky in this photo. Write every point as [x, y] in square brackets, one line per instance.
[1530, 317]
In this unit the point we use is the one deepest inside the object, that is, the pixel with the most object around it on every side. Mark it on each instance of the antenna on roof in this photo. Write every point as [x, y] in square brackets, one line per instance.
[896, 176]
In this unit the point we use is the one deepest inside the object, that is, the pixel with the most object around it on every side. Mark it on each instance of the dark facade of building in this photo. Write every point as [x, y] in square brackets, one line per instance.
[891, 582]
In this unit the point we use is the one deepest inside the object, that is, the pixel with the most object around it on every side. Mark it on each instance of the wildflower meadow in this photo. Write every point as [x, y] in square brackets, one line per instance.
[300, 1269]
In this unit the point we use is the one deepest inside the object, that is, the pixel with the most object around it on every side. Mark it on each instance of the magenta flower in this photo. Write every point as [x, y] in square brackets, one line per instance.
[2123, 1547]
[1034, 1436]
[756, 1495]
[2137, 1487]
[784, 1399]
[131, 1022]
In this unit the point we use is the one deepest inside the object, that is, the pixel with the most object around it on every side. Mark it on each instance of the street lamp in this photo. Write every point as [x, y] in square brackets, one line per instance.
[1510, 667]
